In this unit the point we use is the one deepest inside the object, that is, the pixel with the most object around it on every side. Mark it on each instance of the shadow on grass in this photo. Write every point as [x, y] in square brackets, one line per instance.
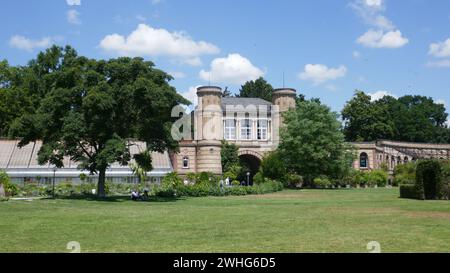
[116, 198]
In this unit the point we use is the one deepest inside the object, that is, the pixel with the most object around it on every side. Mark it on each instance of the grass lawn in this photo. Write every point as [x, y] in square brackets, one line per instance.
[288, 221]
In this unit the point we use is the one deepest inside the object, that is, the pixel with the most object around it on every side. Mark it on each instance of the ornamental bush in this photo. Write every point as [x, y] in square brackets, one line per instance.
[429, 179]
[10, 188]
[322, 182]
[377, 177]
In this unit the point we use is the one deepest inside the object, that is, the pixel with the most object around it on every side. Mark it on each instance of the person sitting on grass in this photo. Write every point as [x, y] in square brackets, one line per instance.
[135, 196]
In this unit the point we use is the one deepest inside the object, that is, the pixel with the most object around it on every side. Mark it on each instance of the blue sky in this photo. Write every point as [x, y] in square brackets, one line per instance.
[324, 48]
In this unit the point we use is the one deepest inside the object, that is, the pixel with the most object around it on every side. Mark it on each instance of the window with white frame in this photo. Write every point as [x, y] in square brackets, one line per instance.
[230, 129]
[246, 129]
[263, 126]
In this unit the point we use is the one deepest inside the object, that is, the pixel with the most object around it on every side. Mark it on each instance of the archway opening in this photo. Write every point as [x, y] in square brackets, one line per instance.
[250, 165]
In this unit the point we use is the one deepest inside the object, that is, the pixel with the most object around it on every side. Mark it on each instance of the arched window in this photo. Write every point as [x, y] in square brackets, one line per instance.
[363, 160]
[185, 162]
[406, 160]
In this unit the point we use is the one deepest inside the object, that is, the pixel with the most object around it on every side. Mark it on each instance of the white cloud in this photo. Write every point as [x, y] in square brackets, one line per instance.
[148, 41]
[386, 34]
[370, 11]
[233, 69]
[440, 49]
[374, 3]
[21, 42]
[73, 2]
[319, 73]
[442, 63]
[177, 74]
[380, 94]
[191, 95]
[73, 17]
[380, 39]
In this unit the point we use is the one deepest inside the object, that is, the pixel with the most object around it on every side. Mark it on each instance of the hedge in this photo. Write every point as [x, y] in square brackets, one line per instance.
[409, 191]
[429, 180]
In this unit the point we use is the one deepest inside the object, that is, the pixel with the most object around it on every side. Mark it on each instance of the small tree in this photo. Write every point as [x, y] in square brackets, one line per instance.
[229, 156]
[312, 143]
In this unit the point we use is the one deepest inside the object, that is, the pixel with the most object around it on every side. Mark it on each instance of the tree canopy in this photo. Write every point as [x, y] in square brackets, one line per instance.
[409, 118]
[312, 143]
[259, 88]
[88, 109]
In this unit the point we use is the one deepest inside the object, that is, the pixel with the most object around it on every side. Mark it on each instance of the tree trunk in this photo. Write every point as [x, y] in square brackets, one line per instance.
[101, 183]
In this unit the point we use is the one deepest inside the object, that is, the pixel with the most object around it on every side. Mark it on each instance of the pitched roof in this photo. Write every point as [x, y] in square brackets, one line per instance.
[25, 158]
[245, 102]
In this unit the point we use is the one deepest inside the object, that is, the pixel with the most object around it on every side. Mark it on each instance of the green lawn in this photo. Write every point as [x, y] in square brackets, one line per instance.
[289, 221]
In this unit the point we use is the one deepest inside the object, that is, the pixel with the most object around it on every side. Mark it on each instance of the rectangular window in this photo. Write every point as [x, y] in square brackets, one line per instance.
[263, 126]
[230, 129]
[246, 129]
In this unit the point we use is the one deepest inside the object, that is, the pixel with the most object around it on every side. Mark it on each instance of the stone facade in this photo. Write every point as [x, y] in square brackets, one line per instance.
[253, 125]
[250, 123]
[371, 156]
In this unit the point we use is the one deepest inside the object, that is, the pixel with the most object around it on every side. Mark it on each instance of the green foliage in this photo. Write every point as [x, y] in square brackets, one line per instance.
[445, 166]
[258, 178]
[87, 109]
[172, 180]
[322, 182]
[429, 180]
[191, 177]
[312, 143]
[272, 166]
[293, 180]
[409, 191]
[234, 171]
[377, 177]
[235, 183]
[409, 118]
[259, 88]
[405, 174]
[229, 156]
[10, 188]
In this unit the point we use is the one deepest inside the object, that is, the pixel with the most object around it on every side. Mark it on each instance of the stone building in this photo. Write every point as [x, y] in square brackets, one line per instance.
[372, 155]
[250, 123]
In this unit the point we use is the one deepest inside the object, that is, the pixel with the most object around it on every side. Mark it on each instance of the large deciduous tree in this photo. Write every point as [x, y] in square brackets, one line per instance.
[312, 143]
[90, 109]
[259, 88]
[409, 118]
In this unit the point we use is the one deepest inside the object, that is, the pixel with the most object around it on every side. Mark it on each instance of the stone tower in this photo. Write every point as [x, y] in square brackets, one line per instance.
[283, 99]
[209, 131]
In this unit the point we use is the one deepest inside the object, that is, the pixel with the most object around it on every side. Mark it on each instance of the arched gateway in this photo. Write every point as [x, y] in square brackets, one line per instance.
[251, 160]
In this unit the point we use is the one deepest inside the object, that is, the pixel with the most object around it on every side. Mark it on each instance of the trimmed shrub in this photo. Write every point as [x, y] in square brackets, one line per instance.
[429, 180]
[409, 191]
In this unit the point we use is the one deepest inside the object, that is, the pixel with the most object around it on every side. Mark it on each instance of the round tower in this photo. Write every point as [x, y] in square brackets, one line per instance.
[284, 98]
[209, 129]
